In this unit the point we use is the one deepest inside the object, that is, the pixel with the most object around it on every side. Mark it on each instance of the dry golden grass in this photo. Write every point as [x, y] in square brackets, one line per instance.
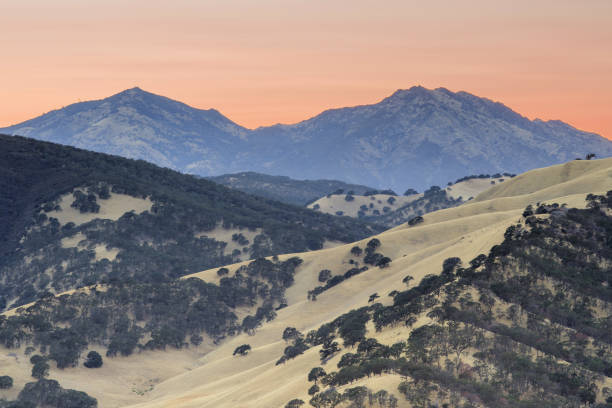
[212, 377]
[110, 209]
[336, 202]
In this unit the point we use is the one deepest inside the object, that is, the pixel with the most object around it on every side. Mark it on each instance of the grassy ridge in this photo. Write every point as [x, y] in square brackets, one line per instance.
[33, 174]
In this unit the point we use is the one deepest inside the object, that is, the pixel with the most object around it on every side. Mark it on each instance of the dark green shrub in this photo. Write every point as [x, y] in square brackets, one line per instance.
[242, 350]
[6, 382]
[94, 360]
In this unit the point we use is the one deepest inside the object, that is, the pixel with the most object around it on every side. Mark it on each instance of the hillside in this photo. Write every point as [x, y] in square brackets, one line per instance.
[70, 218]
[393, 210]
[285, 189]
[356, 205]
[414, 138]
[463, 328]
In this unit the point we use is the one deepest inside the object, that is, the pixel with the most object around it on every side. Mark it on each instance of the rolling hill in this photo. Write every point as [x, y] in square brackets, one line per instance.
[392, 210]
[285, 189]
[502, 301]
[70, 217]
[414, 138]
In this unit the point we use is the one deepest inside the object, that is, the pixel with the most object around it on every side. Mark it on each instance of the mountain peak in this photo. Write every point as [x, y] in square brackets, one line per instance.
[419, 90]
[414, 90]
[134, 90]
[130, 93]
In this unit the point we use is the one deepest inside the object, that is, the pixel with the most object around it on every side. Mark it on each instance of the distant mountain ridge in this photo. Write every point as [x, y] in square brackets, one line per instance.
[285, 189]
[414, 138]
[140, 125]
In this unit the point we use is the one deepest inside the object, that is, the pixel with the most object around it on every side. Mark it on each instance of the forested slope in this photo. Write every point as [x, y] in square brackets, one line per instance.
[61, 213]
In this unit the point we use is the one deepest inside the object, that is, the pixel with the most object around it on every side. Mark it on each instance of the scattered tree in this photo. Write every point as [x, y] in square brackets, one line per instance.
[294, 403]
[291, 333]
[324, 275]
[242, 350]
[94, 360]
[416, 220]
[40, 370]
[315, 374]
[356, 251]
[5, 382]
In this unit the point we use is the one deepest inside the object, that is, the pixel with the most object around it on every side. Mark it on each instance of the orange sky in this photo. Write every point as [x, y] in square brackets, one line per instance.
[267, 61]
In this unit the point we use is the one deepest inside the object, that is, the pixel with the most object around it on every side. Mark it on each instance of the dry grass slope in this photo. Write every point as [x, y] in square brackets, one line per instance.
[466, 231]
[217, 379]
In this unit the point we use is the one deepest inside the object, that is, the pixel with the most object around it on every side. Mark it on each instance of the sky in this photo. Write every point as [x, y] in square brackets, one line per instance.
[269, 61]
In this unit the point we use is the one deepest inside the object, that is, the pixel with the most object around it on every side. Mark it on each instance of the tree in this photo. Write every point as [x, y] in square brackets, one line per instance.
[348, 359]
[294, 403]
[373, 244]
[298, 347]
[368, 345]
[329, 348]
[48, 393]
[5, 382]
[383, 262]
[291, 333]
[36, 358]
[416, 220]
[590, 156]
[94, 360]
[250, 323]
[357, 395]
[313, 390]
[356, 251]
[450, 264]
[410, 191]
[329, 398]
[460, 339]
[40, 370]
[196, 339]
[316, 373]
[407, 280]
[324, 275]
[242, 350]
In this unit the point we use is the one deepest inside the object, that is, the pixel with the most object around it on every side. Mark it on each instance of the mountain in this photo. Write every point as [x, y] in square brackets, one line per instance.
[503, 301]
[419, 137]
[414, 138]
[140, 125]
[285, 189]
[71, 218]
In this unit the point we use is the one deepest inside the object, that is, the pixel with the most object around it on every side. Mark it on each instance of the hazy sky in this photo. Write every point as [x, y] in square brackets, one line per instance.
[267, 61]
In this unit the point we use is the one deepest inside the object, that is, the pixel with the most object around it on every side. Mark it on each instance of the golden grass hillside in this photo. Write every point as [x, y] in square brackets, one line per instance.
[382, 203]
[254, 381]
[336, 204]
[209, 376]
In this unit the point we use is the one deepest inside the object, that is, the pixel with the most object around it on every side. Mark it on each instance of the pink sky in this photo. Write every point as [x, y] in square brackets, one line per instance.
[268, 61]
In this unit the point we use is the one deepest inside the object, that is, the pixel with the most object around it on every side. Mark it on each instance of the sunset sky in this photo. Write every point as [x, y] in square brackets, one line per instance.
[268, 61]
